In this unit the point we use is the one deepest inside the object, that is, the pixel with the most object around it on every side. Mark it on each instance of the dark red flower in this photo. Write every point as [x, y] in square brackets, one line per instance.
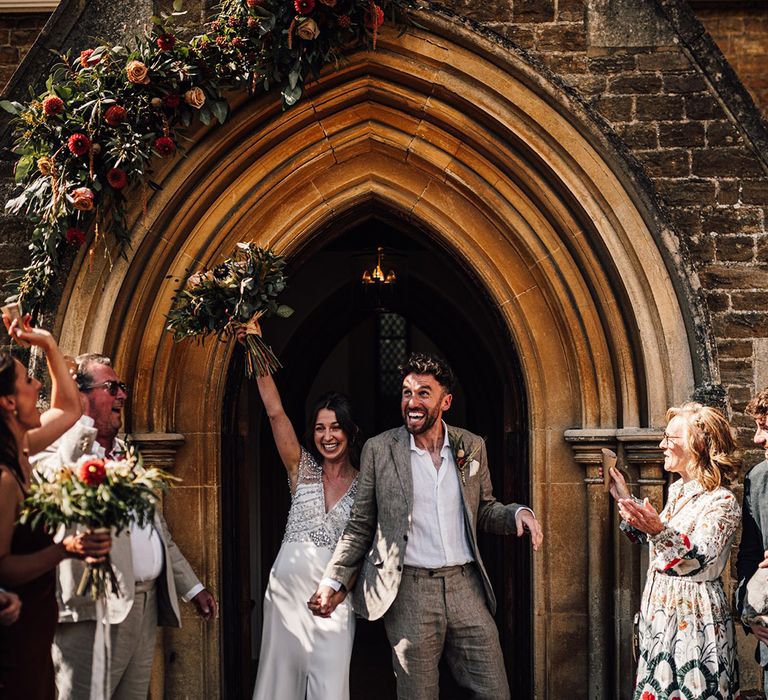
[117, 178]
[233, 21]
[166, 42]
[237, 42]
[172, 100]
[52, 105]
[373, 20]
[216, 25]
[252, 23]
[254, 3]
[304, 7]
[85, 59]
[78, 144]
[220, 41]
[75, 236]
[345, 22]
[165, 146]
[92, 472]
[116, 114]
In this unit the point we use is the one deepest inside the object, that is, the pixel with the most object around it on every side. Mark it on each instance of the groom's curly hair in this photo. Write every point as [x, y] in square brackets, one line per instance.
[425, 363]
[758, 406]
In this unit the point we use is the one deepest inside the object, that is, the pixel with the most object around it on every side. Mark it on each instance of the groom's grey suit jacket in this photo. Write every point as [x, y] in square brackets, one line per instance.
[376, 535]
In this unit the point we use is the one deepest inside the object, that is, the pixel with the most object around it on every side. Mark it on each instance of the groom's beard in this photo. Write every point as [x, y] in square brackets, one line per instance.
[430, 418]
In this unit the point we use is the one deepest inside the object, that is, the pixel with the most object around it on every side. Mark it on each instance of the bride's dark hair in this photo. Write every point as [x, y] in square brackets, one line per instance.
[9, 450]
[340, 405]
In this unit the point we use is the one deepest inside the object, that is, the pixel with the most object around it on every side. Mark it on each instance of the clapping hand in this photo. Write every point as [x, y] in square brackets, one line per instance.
[641, 516]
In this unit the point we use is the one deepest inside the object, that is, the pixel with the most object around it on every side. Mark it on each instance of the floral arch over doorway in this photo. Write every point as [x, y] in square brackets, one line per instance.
[445, 128]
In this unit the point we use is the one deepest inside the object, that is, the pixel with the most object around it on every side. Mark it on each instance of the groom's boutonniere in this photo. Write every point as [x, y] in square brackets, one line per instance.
[460, 455]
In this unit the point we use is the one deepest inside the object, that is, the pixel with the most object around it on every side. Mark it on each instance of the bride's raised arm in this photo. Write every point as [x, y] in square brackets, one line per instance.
[287, 443]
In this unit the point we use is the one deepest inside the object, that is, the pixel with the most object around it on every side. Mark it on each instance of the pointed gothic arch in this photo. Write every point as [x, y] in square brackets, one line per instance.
[469, 144]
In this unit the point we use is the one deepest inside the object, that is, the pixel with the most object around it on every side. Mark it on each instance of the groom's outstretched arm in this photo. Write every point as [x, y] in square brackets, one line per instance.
[501, 519]
[355, 541]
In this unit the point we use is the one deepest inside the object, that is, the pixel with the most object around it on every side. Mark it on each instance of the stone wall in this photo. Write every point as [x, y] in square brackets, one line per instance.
[17, 34]
[742, 35]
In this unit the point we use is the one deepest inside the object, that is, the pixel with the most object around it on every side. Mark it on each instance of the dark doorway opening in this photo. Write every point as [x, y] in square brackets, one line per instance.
[348, 338]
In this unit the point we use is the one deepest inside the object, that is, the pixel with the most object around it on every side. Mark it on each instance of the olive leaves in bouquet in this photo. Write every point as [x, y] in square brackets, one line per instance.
[236, 293]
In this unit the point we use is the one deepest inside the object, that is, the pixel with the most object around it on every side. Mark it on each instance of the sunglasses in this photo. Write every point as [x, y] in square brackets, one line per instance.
[111, 385]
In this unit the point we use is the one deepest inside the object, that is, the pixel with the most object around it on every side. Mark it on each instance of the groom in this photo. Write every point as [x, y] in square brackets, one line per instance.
[422, 492]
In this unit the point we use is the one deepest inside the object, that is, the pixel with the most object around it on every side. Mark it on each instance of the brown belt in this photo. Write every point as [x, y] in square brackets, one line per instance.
[442, 572]
[144, 586]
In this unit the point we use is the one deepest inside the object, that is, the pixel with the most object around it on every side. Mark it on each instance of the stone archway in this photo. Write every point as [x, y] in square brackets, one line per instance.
[462, 139]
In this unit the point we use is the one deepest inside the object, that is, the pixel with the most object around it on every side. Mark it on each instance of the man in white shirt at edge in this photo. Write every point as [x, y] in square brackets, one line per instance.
[423, 491]
[150, 569]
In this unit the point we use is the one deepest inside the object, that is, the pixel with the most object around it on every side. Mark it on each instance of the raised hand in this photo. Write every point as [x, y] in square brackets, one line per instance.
[21, 330]
[619, 488]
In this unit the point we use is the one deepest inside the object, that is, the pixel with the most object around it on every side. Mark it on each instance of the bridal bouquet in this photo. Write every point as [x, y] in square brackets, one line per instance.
[98, 494]
[233, 294]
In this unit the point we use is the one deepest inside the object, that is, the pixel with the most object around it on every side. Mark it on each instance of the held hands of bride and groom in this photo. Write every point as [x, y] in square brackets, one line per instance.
[641, 516]
[325, 600]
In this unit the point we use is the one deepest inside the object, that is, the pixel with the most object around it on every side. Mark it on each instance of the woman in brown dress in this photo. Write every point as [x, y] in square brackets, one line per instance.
[28, 558]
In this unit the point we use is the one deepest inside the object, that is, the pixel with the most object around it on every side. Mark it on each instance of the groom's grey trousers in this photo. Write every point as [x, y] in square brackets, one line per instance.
[440, 610]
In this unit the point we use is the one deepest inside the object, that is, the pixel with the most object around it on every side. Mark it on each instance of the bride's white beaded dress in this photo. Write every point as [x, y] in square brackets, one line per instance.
[303, 655]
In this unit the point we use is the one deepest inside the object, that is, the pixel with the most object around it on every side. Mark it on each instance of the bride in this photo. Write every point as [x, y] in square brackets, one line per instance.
[303, 655]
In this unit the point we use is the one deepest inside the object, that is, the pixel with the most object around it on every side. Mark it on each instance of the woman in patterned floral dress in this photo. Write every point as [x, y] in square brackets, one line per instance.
[687, 638]
[303, 656]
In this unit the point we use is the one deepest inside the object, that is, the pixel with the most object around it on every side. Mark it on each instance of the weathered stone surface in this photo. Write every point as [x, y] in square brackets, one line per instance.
[635, 84]
[731, 221]
[752, 324]
[750, 301]
[685, 134]
[718, 276]
[689, 192]
[657, 108]
[684, 83]
[703, 107]
[666, 163]
[725, 162]
[639, 135]
[617, 109]
[625, 23]
[534, 11]
[665, 62]
[735, 248]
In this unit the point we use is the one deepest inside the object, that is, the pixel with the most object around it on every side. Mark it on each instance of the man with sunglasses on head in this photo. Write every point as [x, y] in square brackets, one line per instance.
[150, 569]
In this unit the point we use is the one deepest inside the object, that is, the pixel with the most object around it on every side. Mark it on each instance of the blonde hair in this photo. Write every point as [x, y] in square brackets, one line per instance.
[711, 443]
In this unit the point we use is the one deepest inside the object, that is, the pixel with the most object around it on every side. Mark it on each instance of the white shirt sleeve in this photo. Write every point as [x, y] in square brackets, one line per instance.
[192, 592]
[519, 512]
[332, 583]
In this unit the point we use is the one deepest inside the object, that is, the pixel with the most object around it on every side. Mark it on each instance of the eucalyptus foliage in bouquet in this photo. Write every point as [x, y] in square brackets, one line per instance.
[98, 494]
[236, 293]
